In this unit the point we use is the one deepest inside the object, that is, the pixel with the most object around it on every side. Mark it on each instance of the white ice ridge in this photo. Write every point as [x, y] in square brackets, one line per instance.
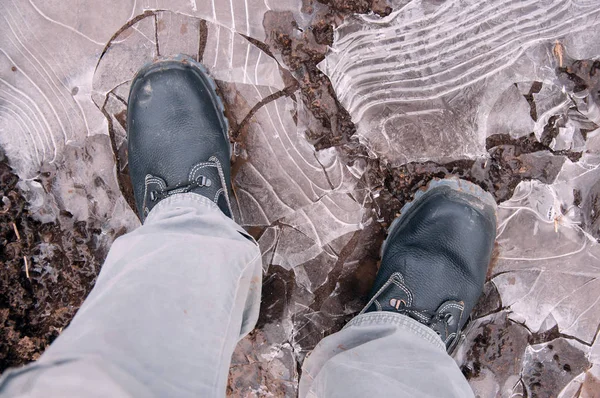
[420, 82]
[241, 16]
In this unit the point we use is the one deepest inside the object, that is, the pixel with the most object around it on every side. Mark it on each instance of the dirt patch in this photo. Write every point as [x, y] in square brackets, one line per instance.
[46, 274]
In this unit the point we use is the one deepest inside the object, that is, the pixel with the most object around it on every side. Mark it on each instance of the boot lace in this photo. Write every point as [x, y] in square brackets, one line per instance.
[161, 193]
[426, 317]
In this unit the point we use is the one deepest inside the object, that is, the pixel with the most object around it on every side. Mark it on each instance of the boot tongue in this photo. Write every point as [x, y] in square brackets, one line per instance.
[395, 296]
[205, 178]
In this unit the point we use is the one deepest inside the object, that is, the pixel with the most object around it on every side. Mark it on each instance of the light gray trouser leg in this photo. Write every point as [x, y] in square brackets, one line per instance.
[171, 302]
[382, 354]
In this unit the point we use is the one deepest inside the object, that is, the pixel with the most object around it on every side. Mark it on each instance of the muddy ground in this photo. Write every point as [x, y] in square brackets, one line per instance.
[47, 269]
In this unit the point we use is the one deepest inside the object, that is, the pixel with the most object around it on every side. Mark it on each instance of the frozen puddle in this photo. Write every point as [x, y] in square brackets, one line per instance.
[432, 81]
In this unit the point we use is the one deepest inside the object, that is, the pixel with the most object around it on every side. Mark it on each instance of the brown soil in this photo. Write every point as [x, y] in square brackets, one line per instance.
[46, 273]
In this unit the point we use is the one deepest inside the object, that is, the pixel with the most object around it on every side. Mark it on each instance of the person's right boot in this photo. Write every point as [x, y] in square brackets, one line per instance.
[436, 256]
[178, 135]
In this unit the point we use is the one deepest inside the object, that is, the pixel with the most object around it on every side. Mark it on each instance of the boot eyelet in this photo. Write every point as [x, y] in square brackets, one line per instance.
[204, 181]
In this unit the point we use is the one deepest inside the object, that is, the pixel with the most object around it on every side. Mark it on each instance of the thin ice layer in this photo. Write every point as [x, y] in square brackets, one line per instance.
[549, 264]
[422, 83]
[499, 362]
[227, 55]
[241, 16]
[283, 175]
[47, 118]
[50, 52]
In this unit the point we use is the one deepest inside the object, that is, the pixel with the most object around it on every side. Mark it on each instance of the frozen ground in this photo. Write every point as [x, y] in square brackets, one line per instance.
[333, 130]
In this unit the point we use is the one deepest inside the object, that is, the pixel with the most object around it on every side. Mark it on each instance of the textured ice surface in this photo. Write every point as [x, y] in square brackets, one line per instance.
[433, 79]
[428, 82]
[517, 368]
[549, 266]
[61, 61]
[49, 125]
[547, 278]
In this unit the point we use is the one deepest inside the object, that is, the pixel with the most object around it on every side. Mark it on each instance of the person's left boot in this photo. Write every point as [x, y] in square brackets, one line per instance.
[178, 135]
[436, 256]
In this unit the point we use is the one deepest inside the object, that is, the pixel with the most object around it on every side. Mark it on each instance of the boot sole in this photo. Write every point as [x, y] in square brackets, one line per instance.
[202, 74]
[468, 192]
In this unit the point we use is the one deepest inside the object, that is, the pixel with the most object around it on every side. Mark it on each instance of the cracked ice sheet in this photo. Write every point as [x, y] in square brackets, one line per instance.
[280, 172]
[424, 82]
[227, 55]
[50, 129]
[585, 384]
[549, 266]
[308, 195]
[499, 361]
[322, 227]
[241, 16]
[284, 178]
[541, 335]
[49, 58]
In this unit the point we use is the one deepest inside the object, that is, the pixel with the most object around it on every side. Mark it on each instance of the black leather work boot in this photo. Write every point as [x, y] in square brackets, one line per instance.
[435, 258]
[178, 135]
